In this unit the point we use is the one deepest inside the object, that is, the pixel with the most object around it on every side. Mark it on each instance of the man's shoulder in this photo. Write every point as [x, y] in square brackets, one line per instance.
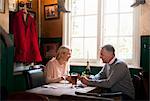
[120, 62]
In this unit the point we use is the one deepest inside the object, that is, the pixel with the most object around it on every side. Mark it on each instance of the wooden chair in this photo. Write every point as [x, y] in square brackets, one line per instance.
[34, 78]
[141, 85]
[26, 96]
[3, 93]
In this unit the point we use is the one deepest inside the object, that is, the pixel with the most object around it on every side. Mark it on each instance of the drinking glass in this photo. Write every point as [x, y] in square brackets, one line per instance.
[74, 77]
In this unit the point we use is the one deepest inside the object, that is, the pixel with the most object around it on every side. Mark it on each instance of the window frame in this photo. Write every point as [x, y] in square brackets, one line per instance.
[95, 62]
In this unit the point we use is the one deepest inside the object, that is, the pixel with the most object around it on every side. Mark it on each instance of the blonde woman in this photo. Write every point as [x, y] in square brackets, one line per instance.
[56, 67]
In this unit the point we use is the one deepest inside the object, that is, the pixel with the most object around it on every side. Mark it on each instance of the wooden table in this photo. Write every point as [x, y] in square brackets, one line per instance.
[61, 91]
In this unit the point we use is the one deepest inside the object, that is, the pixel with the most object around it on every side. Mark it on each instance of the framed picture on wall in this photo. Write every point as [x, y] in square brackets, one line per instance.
[13, 5]
[51, 11]
[2, 6]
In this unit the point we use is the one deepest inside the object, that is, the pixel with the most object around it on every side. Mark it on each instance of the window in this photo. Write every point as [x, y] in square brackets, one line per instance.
[94, 23]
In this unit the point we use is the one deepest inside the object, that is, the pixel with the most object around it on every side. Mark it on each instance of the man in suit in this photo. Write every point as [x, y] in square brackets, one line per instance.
[114, 75]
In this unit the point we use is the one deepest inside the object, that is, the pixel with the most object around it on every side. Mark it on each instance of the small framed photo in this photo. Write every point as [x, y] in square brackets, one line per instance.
[2, 6]
[12, 5]
[51, 11]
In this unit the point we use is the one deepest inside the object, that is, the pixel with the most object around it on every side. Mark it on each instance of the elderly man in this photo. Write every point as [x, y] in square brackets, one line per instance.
[114, 75]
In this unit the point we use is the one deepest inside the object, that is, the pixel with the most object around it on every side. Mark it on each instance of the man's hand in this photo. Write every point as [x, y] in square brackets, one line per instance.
[84, 80]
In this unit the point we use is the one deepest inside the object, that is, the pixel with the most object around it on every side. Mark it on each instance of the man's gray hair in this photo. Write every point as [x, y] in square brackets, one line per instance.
[109, 48]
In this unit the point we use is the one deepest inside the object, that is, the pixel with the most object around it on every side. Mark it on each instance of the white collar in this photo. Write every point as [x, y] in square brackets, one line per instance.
[112, 61]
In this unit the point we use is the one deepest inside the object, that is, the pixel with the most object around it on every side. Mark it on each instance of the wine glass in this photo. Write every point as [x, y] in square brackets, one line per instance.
[64, 77]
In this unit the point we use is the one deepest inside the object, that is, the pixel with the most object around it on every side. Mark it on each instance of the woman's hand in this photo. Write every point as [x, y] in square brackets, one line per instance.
[68, 78]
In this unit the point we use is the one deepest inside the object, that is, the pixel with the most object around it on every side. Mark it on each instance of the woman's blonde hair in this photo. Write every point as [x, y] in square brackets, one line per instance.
[62, 49]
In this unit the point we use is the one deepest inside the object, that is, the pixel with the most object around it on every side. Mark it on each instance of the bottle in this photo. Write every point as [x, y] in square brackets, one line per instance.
[87, 71]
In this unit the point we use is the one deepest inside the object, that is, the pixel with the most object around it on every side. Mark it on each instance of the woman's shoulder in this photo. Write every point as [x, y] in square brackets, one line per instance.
[52, 61]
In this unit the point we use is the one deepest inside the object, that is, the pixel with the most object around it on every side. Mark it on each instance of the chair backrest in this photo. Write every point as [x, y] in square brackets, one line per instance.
[26, 96]
[3, 93]
[139, 87]
[146, 84]
[34, 78]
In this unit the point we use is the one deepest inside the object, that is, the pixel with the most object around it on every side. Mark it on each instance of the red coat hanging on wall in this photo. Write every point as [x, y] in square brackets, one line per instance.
[25, 39]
